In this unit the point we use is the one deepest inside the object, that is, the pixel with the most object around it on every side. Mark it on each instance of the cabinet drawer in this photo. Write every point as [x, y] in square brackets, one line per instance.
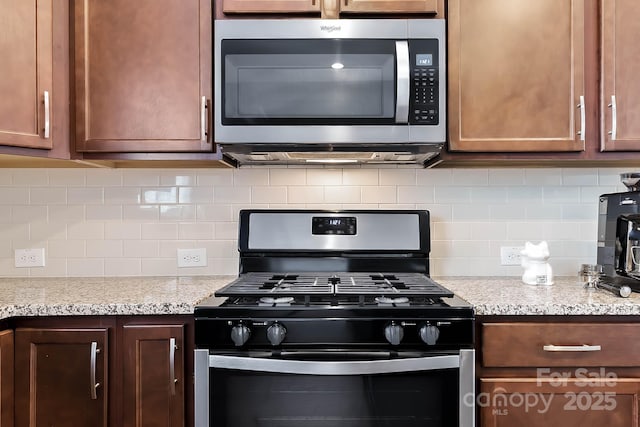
[560, 344]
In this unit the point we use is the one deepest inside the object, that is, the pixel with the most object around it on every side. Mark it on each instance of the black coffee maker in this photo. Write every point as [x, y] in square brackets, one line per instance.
[619, 234]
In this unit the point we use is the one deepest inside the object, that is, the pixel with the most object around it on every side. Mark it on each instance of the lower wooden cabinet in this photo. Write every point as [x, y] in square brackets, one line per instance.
[153, 375]
[556, 372]
[6, 378]
[61, 377]
[110, 371]
[579, 402]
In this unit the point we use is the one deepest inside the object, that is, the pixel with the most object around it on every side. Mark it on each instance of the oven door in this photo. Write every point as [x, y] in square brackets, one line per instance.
[335, 389]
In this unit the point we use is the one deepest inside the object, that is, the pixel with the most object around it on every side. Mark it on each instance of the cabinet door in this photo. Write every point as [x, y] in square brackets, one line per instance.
[268, 6]
[153, 375]
[6, 379]
[620, 70]
[516, 71]
[389, 6]
[26, 85]
[533, 402]
[61, 377]
[143, 75]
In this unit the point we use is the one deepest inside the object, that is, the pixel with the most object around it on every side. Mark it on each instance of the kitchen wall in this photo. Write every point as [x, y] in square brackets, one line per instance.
[103, 222]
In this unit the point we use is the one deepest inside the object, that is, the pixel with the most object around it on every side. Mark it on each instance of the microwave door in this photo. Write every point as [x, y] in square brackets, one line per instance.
[402, 81]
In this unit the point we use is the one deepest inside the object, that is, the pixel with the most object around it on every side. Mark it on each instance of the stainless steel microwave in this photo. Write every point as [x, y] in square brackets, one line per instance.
[330, 91]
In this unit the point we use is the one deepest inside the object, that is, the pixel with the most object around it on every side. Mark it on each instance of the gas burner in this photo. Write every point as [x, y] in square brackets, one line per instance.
[275, 301]
[392, 301]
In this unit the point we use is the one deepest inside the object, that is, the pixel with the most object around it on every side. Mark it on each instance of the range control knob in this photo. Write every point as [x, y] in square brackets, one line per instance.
[393, 333]
[240, 334]
[276, 334]
[429, 334]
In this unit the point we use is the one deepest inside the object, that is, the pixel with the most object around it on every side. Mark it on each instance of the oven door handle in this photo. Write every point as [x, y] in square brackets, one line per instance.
[306, 367]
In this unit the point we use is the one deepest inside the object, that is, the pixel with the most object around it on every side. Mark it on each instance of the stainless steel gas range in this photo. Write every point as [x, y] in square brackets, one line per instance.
[334, 321]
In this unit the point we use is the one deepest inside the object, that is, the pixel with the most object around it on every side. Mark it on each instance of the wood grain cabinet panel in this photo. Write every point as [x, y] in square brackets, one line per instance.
[34, 94]
[268, 6]
[516, 75]
[620, 104]
[143, 75]
[6, 378]
[529, 402]
[153, 375]
[523, 344]
[61, 377]
[390, 6]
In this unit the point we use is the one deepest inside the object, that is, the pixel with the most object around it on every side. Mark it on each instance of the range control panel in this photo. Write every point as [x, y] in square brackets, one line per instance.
[425, 82]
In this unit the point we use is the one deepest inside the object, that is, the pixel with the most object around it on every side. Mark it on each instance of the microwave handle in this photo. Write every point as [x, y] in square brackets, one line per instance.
[402, 82]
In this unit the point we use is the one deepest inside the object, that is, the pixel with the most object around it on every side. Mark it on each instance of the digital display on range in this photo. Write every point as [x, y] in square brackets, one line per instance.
[340, 225]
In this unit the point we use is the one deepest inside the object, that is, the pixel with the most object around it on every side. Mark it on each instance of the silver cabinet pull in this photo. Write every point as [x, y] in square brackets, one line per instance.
[203, 119]
[172, 366]
[403, 82]
[581, 348]
[94, 355]
[614, 118]
[583, 118]
[46, 115]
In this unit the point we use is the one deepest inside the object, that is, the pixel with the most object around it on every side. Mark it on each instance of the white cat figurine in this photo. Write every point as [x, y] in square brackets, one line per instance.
[537, 270]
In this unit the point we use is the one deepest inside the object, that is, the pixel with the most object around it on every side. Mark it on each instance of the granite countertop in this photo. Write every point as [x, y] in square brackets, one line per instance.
[509, 296]
[179, 295]
[105, 296]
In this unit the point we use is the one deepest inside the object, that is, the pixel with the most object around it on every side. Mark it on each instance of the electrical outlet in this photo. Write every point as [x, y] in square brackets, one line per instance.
[192, 257]
[29, 257]
[510, 255]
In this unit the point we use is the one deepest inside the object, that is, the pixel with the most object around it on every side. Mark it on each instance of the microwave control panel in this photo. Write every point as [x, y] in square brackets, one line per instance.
[425, 83]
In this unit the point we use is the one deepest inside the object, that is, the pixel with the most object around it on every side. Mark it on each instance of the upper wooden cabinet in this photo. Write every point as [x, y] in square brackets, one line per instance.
[620, 103]
[34, 79]
[143, 75]
[334, 8]
[390, 6]
[268, 6]
[517, 76]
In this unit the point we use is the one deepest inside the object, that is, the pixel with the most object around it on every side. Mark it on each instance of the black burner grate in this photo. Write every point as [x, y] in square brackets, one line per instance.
[338, 284]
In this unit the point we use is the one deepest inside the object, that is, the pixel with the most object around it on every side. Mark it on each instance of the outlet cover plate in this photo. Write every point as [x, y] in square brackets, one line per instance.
[510, 255]
[29, 257]
[192, 257]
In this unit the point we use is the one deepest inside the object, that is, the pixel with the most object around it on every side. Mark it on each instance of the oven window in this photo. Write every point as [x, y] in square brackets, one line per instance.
[304, 81]
[251, 399]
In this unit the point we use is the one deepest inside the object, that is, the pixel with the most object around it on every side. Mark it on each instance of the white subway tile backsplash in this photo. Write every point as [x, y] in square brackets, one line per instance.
[95, 222]
[342, 194]
[360, 177]
[305, 195]
[416, 194]
[324, 176]
[543, 176]
[231, 195]
[405, 177]
[379, 194]
[177, 212]
[159, 231]
[104, 249]
[266, 195]
[141, 212]
[14, 196]
[141, 249]
[287, 177]
[99, 212]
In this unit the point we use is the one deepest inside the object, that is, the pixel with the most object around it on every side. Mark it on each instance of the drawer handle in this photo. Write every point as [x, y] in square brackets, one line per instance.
[583, 347]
